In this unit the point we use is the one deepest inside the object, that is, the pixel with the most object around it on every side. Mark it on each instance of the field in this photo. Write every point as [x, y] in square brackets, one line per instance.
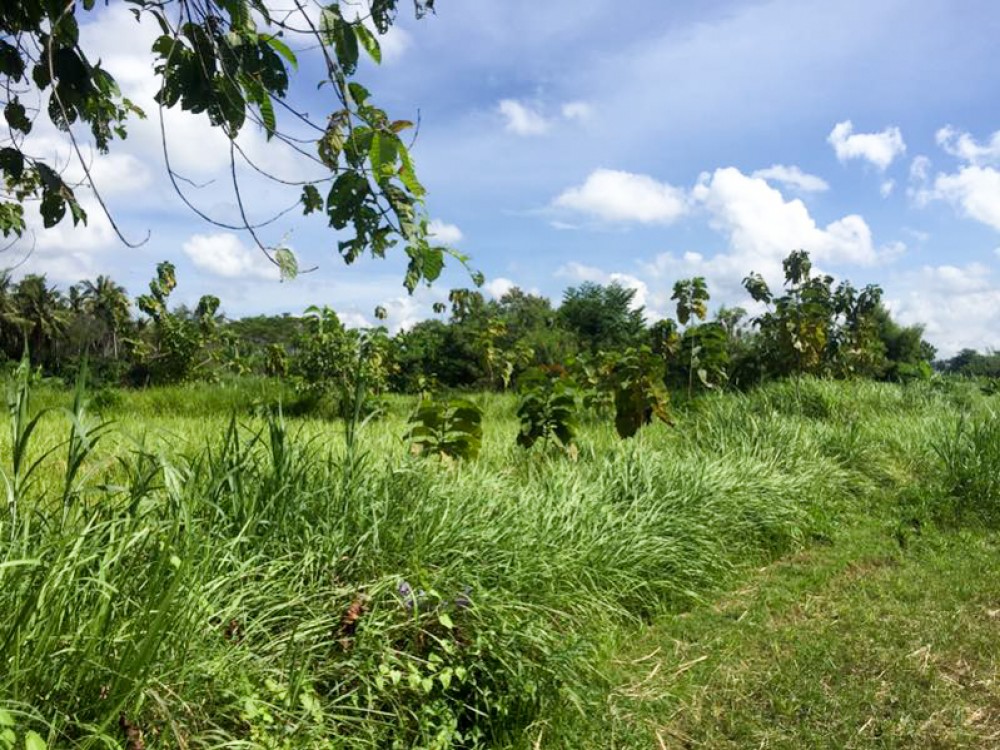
[804, 566]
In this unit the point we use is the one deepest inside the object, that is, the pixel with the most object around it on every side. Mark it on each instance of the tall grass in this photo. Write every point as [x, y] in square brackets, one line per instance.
[251, 582]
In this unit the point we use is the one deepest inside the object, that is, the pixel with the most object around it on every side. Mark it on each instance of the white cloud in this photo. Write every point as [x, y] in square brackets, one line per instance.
[224, 255]
[973, 191]
[966, 148]
[353, 319]
[878, 148]
[886, 188]
[615, 196]
[579, 272]
[522, 119]
[444, 232]
[920, 169]
[498, 287]
[763, 226]
[577, 111]
[959, 306]
[793, 177]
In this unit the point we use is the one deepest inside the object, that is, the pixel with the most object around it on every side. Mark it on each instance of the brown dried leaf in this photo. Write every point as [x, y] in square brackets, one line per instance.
[134, 739]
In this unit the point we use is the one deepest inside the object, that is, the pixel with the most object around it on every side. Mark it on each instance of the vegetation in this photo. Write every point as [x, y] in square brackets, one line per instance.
[232, 62]
[481, 345]
[207, 580]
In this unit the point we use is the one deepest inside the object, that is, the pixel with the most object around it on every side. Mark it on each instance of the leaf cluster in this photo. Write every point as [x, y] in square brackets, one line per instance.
[447, 429]
[547, 410]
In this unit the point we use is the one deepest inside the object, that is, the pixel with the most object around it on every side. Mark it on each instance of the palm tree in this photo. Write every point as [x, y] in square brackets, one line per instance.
[109, 303]
[10, 323]
[42, 315]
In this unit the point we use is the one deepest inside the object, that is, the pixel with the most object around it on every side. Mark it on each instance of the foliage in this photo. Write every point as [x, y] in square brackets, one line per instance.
[602, 317]
[703, 348]
[219, 583]
[11, 739]
[233, 63]
[547, 410]
[815, 328]
[447, 429]
[636, 377]
[970, 457]
[484, 344]
[169, 354]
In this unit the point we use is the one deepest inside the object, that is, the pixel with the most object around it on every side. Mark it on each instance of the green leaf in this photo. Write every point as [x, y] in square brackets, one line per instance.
[368, 41]
[12, 163]
[445, 619]
[311, 199]
[282, 49]
[359, 94]
[17, 116]
[267, 115]
[34, 741]
[288, 264]
[382, 153]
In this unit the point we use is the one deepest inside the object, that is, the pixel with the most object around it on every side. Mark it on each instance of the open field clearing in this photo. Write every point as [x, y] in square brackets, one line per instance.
[209, 581]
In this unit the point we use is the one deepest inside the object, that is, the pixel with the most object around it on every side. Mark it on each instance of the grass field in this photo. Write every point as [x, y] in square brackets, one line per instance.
[774, 570]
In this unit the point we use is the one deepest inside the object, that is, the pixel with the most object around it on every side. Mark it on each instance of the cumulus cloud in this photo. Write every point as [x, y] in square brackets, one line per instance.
[958, 305]
[886, 188]
[522, 119]
[878, 148]
[441, 231]
[615, 196]
[793, 177]
[498, 287]
[535, 118]
[965, 147]
[973, 191]
[760, 223]
[223, 254]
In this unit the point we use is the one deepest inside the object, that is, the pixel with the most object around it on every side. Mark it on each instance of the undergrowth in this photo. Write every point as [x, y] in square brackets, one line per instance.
[259, 582]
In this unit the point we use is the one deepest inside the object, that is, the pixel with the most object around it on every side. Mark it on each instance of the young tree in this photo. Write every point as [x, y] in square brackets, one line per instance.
[602, 317]
[703, 346]
[231, 61]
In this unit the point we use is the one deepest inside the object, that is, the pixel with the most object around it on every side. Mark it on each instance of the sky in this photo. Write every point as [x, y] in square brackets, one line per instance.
[637, 141]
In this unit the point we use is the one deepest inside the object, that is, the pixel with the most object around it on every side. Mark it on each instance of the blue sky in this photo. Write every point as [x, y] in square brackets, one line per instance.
[639, 141]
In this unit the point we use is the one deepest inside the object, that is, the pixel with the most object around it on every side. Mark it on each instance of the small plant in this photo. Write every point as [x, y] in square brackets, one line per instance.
[10, 738]
[636, 377]
[547, 410]
[449, 429]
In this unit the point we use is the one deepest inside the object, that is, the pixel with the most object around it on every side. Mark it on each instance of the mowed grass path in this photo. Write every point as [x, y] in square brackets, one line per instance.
[886, 637]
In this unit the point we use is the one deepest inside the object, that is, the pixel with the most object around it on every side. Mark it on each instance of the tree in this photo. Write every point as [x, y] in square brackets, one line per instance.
[703, 346]
[796, 331]
[602, 317]
[42, 316]
[107, 302]
[231, 61]
[11, 339]
[168, 352]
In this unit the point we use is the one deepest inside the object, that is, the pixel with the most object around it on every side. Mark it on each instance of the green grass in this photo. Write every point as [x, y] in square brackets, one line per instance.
[251, 582]
[856, 644]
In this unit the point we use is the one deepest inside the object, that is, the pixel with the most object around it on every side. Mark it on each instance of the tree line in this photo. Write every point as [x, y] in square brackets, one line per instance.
[809, 326]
